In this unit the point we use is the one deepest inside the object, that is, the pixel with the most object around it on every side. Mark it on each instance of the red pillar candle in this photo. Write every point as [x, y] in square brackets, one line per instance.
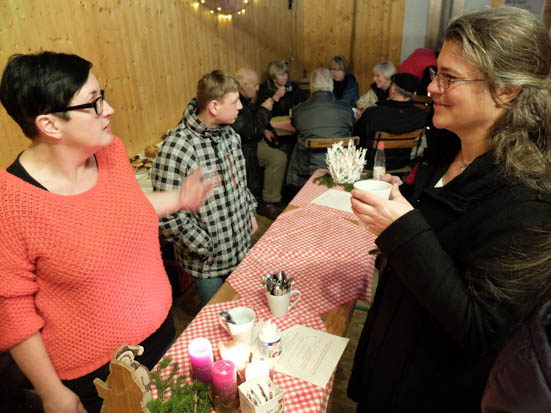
[224, 380]
[200, 355]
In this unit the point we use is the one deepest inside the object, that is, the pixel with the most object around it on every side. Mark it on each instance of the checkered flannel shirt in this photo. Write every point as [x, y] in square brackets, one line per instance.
[212, 241]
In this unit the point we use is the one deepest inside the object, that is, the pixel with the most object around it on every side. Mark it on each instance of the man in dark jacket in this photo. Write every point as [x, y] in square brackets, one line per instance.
[252, 125]
[397, 114]
[321, 116]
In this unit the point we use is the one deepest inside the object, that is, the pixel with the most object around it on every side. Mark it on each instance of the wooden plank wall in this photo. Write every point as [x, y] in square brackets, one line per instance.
[364, 31]
[378, 37]
[149, 55]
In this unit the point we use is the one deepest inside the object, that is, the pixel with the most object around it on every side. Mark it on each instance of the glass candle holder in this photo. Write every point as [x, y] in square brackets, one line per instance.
[202, 360]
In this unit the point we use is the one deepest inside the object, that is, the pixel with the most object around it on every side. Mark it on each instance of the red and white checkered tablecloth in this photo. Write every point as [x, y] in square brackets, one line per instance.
[310, 190]
[328, 257]
[300, 396]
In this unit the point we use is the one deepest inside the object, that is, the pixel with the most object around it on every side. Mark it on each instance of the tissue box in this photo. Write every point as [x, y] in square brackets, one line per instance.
[274, 405]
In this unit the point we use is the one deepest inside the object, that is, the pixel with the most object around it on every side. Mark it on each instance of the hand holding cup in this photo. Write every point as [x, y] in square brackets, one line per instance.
[373, 207]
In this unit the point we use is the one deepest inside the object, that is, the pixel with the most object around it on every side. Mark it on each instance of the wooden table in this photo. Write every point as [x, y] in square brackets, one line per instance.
[282, 126]
[336, 320]
[327, 255]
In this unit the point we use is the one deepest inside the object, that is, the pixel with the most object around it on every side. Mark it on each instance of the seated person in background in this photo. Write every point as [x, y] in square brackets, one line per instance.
[425, 80]
[321, 116]
[210, 243]
[397, 114]
[378, 91]
[252, 125]
[284, 92]
[417, 62]
[345, 85]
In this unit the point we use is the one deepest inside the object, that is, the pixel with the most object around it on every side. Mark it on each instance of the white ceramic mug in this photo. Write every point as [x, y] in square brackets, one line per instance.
[242, 330]
[373, 186]
[281, 304]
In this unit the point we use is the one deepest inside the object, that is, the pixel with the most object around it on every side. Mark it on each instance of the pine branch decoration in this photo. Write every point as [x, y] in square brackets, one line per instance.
[184, 398]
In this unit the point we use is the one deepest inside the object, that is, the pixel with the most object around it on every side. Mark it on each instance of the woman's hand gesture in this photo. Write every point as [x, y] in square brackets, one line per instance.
[194, 191]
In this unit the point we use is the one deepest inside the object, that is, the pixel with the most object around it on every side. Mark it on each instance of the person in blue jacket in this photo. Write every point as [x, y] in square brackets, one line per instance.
[345, 85]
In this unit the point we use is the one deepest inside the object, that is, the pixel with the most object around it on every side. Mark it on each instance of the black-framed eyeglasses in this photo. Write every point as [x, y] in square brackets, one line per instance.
[445, 81]
[97, 104]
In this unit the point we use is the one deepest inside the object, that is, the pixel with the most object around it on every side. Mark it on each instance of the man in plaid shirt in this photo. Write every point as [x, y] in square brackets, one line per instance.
[211, 242]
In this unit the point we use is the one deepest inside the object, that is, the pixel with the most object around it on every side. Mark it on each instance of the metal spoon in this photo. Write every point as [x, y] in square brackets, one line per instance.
[227, 317]
[289, 283]
[269, 285]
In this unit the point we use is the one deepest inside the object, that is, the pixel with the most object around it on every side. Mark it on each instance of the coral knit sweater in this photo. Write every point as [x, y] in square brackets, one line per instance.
[84, 270]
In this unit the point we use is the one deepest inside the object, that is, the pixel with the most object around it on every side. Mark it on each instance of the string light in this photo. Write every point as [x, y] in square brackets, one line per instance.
[219, 11]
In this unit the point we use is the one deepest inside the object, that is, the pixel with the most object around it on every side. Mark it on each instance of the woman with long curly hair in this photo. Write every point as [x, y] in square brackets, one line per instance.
[465, 247]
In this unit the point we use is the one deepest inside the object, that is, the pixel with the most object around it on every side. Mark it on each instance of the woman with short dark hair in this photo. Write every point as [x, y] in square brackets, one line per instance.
[80, 266]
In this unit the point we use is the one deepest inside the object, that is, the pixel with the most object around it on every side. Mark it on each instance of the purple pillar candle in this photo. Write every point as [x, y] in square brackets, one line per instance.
[200, 355]
[224, 380]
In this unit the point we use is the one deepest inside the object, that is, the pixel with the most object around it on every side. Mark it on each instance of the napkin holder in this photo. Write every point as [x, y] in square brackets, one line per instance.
[275, 405]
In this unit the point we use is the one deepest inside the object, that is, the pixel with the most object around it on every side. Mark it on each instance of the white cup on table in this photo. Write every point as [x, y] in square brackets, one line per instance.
[281, 304]
[242, 330]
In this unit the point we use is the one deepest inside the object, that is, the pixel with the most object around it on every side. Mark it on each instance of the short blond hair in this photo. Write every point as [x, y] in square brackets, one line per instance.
[214, 86]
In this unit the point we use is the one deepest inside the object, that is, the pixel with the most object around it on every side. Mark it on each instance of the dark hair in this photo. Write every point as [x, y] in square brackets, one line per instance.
[36, 84]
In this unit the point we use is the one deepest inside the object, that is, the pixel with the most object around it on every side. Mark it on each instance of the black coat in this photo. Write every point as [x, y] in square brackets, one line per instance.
[389, 116]
[290, 99]
[347, 90]
[433, 331]
[250, 125]
[520, 380]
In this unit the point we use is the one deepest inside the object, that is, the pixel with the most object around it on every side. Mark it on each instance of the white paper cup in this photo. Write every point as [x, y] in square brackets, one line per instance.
[373, 186]
[281, 304]
[242, 330]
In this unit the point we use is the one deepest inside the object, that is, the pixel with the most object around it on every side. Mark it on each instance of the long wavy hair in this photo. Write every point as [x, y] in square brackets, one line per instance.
[511, 48]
